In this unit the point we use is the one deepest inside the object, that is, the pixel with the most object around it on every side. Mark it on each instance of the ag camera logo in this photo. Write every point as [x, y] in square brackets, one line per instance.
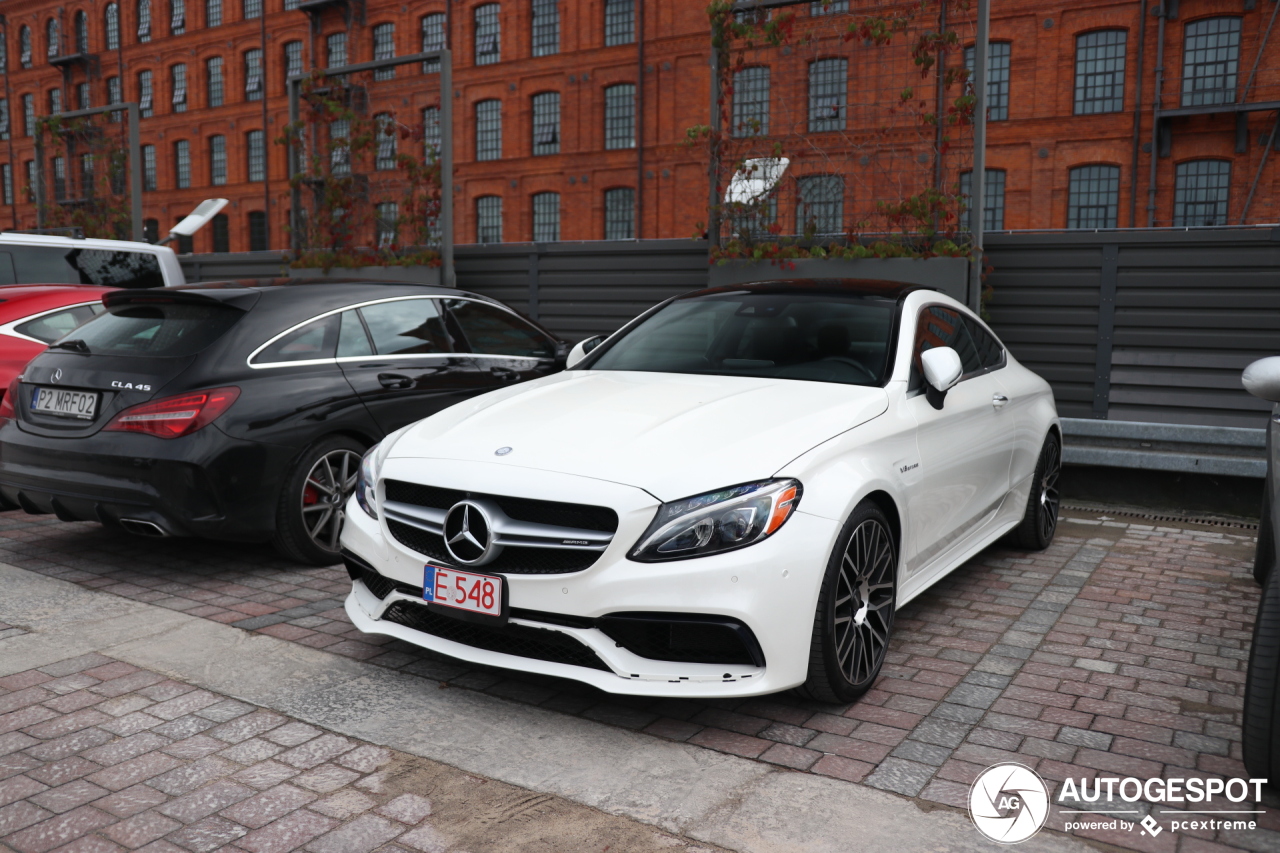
[1008, 802]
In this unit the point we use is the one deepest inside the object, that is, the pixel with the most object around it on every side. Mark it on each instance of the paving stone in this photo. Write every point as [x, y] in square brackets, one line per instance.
[274, 803]
[205, 801]
[288, 833]
[409, 809]
[141, 829]
[900, 776]
[212, 833]
[361, 835]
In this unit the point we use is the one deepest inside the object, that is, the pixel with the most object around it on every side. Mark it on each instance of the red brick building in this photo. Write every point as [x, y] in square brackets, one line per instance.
[1076, 84]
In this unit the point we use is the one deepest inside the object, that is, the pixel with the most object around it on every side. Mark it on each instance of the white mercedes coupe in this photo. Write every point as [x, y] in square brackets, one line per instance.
[729, 496]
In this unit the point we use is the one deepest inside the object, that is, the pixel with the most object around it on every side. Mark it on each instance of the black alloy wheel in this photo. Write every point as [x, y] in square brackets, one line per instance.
[1040, 521]
[854, 618]
[313, 502]
[1261, 718]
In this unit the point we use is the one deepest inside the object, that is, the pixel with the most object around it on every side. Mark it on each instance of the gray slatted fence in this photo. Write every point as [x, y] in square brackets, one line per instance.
[1148, 327]
[1151, 327]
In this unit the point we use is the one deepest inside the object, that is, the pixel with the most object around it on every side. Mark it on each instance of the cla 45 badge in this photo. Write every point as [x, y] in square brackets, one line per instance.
[129, 386]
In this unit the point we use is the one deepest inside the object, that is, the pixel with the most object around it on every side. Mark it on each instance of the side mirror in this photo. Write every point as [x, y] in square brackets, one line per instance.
[1262, 378]
[942, 370]
[580, 350]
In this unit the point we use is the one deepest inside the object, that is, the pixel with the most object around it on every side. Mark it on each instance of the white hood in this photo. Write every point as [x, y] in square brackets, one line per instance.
[672, 435]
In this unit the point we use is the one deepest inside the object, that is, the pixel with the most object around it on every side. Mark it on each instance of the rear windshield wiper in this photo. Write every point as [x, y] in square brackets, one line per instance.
[75, 345]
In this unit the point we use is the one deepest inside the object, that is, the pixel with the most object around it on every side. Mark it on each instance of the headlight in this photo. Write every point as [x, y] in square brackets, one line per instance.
[718, 521]
[370, 468]
[367, 481]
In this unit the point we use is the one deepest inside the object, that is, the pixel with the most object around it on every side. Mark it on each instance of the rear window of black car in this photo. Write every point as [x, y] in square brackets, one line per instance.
[156, 330]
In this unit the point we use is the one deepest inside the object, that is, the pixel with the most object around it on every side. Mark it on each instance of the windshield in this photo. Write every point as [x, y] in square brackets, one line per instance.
[166, 330]
[814, 337]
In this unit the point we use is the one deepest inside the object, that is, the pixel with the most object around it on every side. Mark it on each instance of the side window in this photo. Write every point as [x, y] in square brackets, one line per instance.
[7, 275]
[990, 352]
[50, 327]
[353, 341]
[407, 327]
[493, 331]
[317, 340]
[942, 327]
[57, 265]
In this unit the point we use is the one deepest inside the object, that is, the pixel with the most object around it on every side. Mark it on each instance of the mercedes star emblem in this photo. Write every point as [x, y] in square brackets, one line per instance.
[57, 375]
[468, 534]
[502, 451]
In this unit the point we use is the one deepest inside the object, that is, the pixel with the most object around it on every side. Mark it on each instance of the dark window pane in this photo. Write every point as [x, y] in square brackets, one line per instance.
[150, 331]
[405, 327]
[50, 327]
[353, 341]
[993, 198]
[56, 265]
[493, 331]
[317, 340]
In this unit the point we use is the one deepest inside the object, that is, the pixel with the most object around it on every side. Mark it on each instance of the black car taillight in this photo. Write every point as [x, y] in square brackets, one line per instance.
[176, 416]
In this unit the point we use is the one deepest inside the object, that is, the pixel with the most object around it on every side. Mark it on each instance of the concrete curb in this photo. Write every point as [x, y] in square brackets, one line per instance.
[706, 795]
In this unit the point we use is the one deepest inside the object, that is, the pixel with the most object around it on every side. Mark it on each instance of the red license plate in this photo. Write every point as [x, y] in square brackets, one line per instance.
[464, 590]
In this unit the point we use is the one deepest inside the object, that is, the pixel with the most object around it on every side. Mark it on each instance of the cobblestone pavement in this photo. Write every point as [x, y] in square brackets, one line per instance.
[98, 756]
[1118, 651]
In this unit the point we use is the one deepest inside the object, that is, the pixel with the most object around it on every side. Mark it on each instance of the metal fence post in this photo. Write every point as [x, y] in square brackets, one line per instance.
[978, 177]
[1108, 281]
[448, 275]
[533, 282]
[135, 174]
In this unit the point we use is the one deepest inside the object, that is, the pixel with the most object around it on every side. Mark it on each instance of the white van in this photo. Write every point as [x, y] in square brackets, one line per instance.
[43, 259]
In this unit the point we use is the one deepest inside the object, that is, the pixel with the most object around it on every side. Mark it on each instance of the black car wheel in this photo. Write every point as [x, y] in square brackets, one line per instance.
[1040, 520]
[1261, 730]
[854, 617]
[1264, 558]
[314, 499]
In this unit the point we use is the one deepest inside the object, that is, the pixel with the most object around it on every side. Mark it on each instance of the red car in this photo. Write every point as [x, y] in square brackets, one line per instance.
[32, 316]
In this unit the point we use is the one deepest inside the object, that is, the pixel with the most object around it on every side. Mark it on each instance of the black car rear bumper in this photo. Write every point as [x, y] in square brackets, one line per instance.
[205, 484]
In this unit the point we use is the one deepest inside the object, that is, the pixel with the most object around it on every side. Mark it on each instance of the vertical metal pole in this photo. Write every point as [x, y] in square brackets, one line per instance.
[447, 277]
[39, 176]
[978, 178]
[266, 145]
[713, 164]
[639, 214]
[135, 174]
[8, 105]
[1155, 116]
[295, 192]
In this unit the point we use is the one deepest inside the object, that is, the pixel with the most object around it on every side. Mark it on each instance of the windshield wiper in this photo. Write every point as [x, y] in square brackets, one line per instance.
[75, 345]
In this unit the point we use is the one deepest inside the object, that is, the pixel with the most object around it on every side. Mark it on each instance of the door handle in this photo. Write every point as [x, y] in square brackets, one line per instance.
[394, 380]
[504, 374]
[998, 400]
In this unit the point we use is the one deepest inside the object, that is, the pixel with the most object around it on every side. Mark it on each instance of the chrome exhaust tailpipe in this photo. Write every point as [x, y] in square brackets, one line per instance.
[139, 527]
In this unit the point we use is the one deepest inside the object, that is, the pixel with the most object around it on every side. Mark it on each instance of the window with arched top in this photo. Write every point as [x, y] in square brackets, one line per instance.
[144, 20]
[1201, 191]
[52, 38]
[111, 24]
[82, 32]
[1100, 59]
[24, 46]
[1093, 196]
[488, 33]
[1210, 61]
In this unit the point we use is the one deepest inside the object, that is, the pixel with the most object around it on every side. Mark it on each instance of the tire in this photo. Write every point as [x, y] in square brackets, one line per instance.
[1040, 519]
[1261, 729]
[313, 501]
[861, 582]
[1264, 558]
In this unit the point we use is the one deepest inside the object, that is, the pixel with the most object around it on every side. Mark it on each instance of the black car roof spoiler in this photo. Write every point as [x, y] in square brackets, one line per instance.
[240, 298]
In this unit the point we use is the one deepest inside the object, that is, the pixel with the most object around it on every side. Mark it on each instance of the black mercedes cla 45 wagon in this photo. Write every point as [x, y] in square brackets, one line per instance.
[240, 410]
